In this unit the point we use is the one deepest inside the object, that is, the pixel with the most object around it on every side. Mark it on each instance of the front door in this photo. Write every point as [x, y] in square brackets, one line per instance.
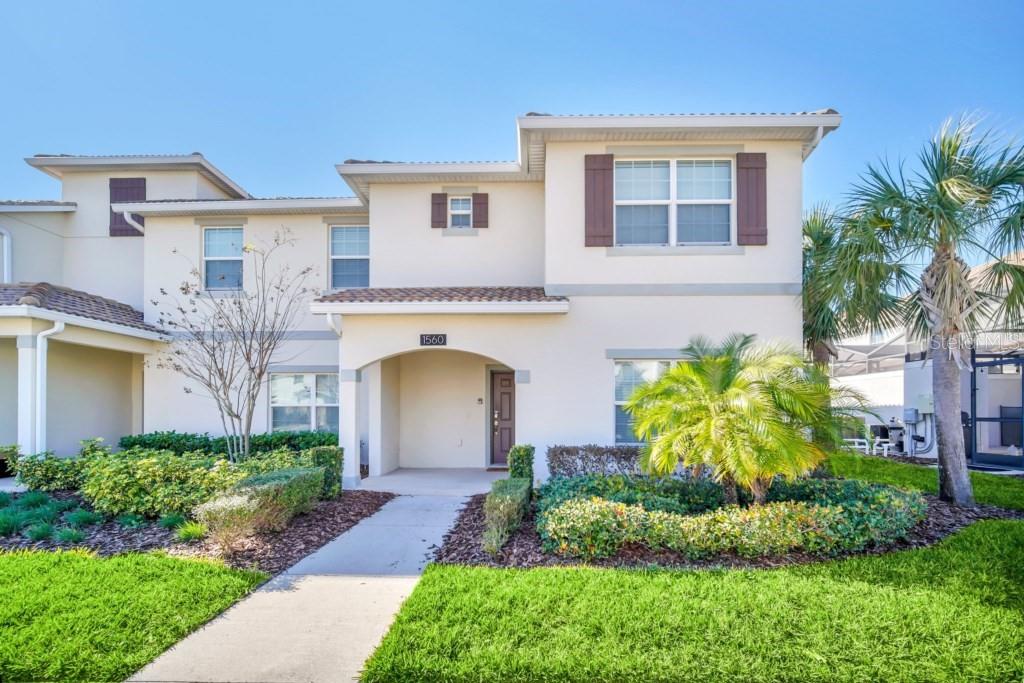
[503, 416]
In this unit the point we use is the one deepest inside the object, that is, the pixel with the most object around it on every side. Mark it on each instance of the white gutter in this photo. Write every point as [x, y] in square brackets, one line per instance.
[8, 260]
[131, 221]
[438, 308]
[41, 352]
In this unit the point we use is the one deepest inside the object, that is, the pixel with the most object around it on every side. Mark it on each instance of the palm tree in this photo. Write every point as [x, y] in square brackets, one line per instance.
[964, 201]
[821, 310]
[740, 410]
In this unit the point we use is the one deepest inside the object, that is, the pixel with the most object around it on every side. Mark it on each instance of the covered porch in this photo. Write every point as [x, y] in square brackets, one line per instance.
[71, 367]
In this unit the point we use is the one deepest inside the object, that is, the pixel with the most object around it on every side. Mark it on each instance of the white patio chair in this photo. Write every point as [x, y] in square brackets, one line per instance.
[882, 447]
[859, 444]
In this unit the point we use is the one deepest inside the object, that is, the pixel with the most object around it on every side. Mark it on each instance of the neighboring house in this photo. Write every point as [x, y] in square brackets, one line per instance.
[465, 306]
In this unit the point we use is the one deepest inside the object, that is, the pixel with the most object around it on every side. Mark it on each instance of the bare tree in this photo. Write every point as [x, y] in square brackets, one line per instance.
[225, 341]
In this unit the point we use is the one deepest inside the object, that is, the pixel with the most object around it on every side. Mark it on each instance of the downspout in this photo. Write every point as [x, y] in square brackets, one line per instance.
[334, 323]
[41, 349]
[138, 226]
[8, 261]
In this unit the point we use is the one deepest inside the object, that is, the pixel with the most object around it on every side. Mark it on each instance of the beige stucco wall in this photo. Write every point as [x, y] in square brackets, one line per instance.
[443, 409]
[8, 391]
[391, 413]
[406, 252]
[568, 261]
[37, 245]
[569, 398]
[89, 394]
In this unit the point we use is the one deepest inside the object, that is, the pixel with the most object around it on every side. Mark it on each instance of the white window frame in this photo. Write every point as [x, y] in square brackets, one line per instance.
[617, 403]
[460, 212]
[673, 202]
[239, 258]
[312, 405]
[346, 257]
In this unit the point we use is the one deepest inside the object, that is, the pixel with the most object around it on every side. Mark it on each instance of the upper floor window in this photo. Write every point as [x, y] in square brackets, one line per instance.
[629, 375]
[350, 257]
[460, 212]
[677, 202]
[222, 258]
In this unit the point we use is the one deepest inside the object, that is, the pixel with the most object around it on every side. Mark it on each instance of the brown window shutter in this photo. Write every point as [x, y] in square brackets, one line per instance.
[479, 209]
[599, 199]
[751, 199]
[126, 190]
[439, 210]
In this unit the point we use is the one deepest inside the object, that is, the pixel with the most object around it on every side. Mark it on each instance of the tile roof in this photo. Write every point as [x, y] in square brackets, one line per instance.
[814, 112]
[34, 202]
[380, 295]
[72, 302]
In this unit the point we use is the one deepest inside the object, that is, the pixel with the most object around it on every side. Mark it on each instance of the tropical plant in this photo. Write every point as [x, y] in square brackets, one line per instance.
[964, 201]
[741, 410]
[823, 321]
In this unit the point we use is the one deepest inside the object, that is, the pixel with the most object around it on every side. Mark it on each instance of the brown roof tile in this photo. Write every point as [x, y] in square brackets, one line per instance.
[380, 295]
[72, 302]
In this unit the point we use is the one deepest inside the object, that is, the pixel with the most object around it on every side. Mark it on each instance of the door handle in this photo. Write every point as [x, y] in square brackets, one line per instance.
[495, 423]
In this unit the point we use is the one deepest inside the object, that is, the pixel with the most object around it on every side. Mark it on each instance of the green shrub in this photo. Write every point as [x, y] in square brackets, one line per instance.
[39, 532]
[229, 519]
[9, 455]
[281, 494]
[573, 461]
[152, 483]
[181, 443]
[172, 521]
[79, 518]
[520, 462]
[669, 494]
[130, 520]
[328, 458]
[47, 472]
[504, 509]
[10, 522]
[70, 536]
[190, 531]
[825, 517]
[32, 499]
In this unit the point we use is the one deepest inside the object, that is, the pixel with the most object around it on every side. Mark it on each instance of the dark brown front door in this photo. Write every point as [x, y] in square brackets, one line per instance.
[503, 416]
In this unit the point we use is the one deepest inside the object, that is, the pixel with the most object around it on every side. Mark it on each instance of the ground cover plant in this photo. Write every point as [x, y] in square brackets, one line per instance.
[70, 615]
[887, 617]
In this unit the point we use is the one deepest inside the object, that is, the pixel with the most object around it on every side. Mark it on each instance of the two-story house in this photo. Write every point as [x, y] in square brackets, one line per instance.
[465, 306]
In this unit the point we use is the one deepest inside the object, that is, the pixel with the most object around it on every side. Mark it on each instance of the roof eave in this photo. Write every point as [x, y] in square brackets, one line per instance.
[438, 307]
[239, 207]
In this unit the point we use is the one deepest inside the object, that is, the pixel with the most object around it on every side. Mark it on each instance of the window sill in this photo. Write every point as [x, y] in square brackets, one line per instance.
[459, 232]
[695, 250]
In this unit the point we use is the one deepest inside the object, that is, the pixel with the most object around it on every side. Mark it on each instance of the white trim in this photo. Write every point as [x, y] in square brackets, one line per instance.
[7, 260]
[678, 250]
[22, 311]
[47, 164]
[460, 212]
[430, 168]
[213, 207]
[438, 307]
[56, 207]
[797, 120]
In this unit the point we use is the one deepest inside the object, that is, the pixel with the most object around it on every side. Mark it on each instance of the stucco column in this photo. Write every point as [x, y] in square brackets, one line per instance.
[348, 425]
[27, 393]
[374, 432]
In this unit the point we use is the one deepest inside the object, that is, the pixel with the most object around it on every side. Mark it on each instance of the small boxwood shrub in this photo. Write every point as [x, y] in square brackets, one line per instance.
[230, 519]
[328, 458]
[504, 509]
[572, 461]
[520, 462]
[282, 494]
[153, 483]
[180, 442]
[670, 494]
[829, 517]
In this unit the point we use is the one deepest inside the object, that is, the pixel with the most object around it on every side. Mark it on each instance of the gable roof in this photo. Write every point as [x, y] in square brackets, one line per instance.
[73, 302]
[57, 164]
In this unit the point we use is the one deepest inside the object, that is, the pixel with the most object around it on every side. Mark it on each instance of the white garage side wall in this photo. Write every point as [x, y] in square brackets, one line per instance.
[569, 398]
[568, 261]
[406, 252]
[443, 409]
[89, 394]
[8, 392]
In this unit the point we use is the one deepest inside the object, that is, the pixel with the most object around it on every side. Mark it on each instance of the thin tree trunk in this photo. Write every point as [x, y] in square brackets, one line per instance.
[732, 496]
[954, 479]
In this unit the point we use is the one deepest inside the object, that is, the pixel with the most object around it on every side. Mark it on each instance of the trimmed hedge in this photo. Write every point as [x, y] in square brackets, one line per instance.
[670, 494]
[504, 509]
[229, 519]
[183, 442]
[328, 458]
[520, 462]
[824, 517]
[282, 494]
[572, 461]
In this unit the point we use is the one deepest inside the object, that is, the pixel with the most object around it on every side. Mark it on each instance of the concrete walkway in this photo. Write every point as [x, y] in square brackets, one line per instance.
[320, 619]
[11, 485]
[428, 481]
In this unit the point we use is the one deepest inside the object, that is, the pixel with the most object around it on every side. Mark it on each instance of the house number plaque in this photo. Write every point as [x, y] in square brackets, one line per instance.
[433, 340]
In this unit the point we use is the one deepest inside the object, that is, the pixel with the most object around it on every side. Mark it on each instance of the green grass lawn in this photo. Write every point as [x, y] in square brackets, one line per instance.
[993, 489]
[73, 616]
[954, 611]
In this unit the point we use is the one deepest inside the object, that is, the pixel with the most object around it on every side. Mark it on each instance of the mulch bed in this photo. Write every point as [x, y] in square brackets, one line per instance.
[270, 552]
[462, 544]
[275, 552]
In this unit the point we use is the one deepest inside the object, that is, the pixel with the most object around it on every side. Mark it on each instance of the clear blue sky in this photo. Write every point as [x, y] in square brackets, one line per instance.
[276, 93]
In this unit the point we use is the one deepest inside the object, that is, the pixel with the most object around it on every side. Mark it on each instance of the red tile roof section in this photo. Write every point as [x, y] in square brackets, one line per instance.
[72, 302]
[379, 295]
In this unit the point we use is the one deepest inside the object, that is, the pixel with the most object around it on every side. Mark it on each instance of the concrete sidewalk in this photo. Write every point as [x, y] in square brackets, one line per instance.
[320, 619]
